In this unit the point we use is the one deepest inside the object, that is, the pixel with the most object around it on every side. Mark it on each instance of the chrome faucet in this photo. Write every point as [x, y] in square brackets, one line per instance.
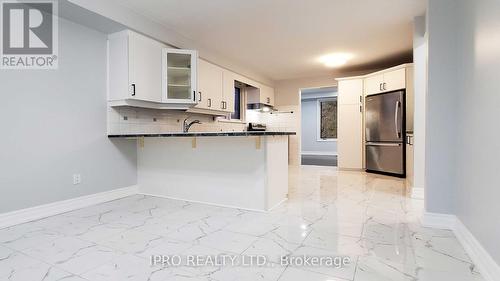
[186, 126]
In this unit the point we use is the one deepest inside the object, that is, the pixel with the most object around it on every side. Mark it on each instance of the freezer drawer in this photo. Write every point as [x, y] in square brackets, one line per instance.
[385, 157]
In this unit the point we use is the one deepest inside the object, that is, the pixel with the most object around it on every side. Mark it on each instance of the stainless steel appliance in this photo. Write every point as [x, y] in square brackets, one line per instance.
[256, 127]
[385, 124]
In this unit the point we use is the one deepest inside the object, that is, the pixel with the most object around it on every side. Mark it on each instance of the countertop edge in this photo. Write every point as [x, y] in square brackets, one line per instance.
[195, 134]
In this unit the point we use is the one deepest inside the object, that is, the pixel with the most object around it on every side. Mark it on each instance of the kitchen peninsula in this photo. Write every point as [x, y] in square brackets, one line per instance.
[246, 170]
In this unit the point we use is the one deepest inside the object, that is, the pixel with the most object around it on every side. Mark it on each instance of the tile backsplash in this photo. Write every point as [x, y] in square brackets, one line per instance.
[131, 120]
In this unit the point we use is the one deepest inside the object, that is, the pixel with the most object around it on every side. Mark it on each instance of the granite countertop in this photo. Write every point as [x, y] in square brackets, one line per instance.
[204, 134]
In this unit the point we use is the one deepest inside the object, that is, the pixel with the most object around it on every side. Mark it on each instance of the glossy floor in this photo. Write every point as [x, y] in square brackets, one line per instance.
[367, 218]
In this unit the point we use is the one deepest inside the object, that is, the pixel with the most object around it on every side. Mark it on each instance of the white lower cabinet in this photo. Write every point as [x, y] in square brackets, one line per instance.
[350, 124]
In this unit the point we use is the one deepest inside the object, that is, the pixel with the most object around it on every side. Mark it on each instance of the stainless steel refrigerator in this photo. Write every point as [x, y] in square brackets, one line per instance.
[385, 133]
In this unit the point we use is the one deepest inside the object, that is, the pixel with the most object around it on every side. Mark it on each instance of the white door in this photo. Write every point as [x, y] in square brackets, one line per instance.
[145, 68]
[374, 84]
[349, 136]
[394, 80]
[209, 86]
[179, 76]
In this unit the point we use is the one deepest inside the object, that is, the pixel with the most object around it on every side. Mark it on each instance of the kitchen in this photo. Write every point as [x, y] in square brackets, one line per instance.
[154, 139]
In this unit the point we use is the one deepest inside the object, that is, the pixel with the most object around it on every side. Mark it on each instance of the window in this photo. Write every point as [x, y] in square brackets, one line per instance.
[236, 115]
[327, 119]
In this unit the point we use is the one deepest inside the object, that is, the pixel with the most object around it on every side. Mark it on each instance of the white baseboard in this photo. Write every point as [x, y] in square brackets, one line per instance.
[488, 268]
[440, 221]
[203, 202]
[318, 153]
[417, 193]
[51, 209]
[277, 205]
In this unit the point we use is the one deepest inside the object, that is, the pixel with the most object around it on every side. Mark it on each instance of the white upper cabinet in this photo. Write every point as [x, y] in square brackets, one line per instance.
[179, 73]
[261, 94]
[209, 86]
[134, 67]
[386, 81]
[215, 89]
[373, 84]
[267, 95]
[142, 72]
[229, 80]
[145, 67]
[395, 80]
[350, 91]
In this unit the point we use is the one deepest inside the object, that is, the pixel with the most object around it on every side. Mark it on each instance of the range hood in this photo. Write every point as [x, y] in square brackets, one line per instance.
[262, 107]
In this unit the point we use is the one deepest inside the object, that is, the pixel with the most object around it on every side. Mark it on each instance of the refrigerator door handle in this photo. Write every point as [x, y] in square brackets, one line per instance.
[396, 115]
[382, 144]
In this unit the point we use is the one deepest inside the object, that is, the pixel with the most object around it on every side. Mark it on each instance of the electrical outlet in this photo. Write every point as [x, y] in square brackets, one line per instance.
[77, 179]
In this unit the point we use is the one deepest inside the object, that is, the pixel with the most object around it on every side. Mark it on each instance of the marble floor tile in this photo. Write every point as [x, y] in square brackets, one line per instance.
[294, 274]
[273, 249]
[132, 241]
[247, 274]
[127, 267]
[228, 241]
[26, 235]
[72, 255]
[15, 266]
[344, 272]
[366, 217]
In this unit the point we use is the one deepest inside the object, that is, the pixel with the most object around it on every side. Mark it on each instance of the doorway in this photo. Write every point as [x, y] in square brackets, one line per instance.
[319, 126]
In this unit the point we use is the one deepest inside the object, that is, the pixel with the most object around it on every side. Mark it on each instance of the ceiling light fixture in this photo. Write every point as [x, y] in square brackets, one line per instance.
[335, 60]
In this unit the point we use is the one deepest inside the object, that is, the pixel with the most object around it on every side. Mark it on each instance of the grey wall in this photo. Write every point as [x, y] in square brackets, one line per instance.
[309, 137]
[54, 125]
[478, 145]
[467, 183]
[420, 93]
[441, 104]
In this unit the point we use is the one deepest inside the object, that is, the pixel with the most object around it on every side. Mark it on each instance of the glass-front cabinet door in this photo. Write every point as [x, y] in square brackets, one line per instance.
[179, 76]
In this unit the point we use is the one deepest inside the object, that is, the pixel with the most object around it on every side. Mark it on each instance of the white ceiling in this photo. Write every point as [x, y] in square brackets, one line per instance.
[282, 39]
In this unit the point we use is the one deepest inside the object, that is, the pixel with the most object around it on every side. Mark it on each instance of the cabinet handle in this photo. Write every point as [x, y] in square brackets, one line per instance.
[209, 101]
[360, 99]
[361, 108]
[133, 89]
[268, 100]
[385, 88]
[199, 96]
[194, 95]
[380, 87]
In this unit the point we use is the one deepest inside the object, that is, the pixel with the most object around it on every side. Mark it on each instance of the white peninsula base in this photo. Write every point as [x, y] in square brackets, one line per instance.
[246, 172]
